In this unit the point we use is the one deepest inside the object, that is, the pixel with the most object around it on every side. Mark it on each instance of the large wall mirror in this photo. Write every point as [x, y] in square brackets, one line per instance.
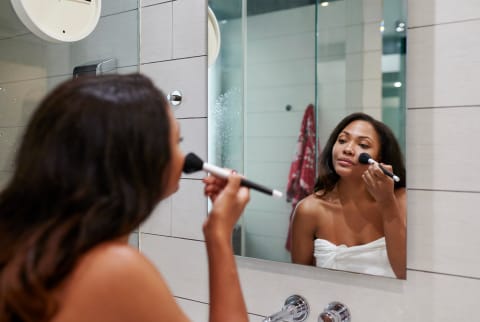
[282, 75]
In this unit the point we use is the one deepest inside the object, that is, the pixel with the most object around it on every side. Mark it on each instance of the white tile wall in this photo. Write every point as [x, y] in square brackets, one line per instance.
[439, 154]
[189, 210]
[189, 28]
[443, 281]
[186, 75]
[443, 65]
[11, 25]
[430, 12]
[160, 221]
[156, 33]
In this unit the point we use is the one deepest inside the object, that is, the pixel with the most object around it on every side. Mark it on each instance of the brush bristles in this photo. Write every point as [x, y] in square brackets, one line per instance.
[192, 163]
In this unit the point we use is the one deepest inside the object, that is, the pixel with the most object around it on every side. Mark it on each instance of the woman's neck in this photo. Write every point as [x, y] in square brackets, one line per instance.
[352, 189]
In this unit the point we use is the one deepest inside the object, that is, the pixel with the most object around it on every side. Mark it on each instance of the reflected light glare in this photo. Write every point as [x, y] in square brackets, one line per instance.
[397, 84]
[324, 4]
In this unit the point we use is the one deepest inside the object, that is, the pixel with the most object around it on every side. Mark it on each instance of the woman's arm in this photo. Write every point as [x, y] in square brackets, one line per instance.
[226, 298]
[303, 234]
[392, 204]
[394, 226]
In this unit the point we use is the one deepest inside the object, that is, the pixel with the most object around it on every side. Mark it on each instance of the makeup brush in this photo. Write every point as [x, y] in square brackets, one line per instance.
[193, 164]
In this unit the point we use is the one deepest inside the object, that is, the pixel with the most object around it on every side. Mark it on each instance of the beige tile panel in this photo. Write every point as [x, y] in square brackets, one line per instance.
[189, 210]
[160, 221]
[430, 12]
[443, 232]
[440, 151]
[186, 75]
[443, 65]
[266, 285]
[189, 28]
[156, 34]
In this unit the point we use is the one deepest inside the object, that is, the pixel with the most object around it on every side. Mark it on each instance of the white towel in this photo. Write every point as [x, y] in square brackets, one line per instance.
[369, 258]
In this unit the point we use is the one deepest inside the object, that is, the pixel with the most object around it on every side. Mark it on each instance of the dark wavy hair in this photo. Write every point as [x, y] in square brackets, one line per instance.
[390, 153]
[92, 164]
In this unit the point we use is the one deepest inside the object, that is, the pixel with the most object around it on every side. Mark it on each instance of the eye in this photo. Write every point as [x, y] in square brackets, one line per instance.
[180, 139]
[341, 140]
[364, 146]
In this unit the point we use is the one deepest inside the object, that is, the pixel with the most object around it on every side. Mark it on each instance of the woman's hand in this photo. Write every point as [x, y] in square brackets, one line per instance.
[229, 201]
[378, 184]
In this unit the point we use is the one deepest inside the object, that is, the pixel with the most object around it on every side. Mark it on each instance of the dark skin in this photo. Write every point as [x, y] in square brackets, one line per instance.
[362, 208]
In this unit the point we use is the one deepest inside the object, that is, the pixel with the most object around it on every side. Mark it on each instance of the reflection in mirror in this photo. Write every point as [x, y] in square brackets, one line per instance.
[286, 75]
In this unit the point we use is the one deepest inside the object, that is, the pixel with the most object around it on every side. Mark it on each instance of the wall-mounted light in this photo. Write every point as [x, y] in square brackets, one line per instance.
[324, 3]
[397, 84]
[59, 21]
[400, 26]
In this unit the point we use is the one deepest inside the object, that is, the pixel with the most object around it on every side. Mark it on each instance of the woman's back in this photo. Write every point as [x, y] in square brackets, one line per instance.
[114, 282]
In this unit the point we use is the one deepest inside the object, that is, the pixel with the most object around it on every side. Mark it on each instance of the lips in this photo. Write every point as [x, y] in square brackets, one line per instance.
[345, 162]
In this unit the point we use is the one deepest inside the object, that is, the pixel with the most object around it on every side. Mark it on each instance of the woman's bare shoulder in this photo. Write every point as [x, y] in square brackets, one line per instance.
[115, 282]
[310, 208]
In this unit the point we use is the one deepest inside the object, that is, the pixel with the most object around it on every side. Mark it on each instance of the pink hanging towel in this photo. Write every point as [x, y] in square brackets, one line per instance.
[301, 178]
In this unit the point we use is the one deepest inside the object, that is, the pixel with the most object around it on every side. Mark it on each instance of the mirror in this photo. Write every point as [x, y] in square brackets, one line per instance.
[290, 67]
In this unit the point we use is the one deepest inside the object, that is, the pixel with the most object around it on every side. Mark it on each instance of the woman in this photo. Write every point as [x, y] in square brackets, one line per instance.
[98, 154]
[356, 218]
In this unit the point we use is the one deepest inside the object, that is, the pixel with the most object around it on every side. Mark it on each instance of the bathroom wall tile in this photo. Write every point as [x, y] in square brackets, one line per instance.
[189, 210]
[439, 149]
[133, 239]
[186, 75]
[443, 65]
[182, 262]
[115, 36]
[160, 221]
[434, 217]
[19, 99]
[430, 12]
[189, 28]
[110, 7]
[372, 11]
[286, 22]
[4, 177]
[11, 24]
[366, 11]
[372, 94]
[372, 65]
[268, 149]
[334, 15]
[194, 133]
[27, 57]
[280, 74]
[156, 36]
[274, 124]
[266, 247]
[269, 171]
[9, 140]
[372, 37]
[153, 2]
[266, 285]
[280, 48]
[276, 99]
[196, 311]
[425, 297]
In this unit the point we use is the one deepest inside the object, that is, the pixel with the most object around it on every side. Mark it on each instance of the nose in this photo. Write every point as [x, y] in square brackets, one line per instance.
[348, 149]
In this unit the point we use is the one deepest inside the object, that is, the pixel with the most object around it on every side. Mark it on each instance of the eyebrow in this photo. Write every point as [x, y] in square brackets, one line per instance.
[360, 137]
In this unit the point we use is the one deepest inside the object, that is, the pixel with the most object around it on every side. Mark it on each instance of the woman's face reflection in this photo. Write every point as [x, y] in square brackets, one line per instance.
[356, 138]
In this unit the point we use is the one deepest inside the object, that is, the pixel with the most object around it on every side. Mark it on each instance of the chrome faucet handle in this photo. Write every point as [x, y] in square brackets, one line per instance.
[335, 312]
[295, 309]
